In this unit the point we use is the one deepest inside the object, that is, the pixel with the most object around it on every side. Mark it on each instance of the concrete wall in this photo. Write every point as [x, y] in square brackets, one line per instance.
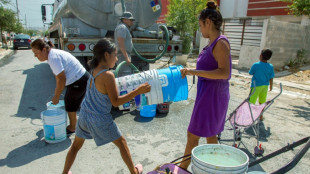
[305, 20]
[248, 56]
[285, 39]
[287, 18]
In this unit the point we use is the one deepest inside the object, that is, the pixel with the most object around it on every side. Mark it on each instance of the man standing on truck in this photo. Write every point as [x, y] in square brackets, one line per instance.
[123, 41]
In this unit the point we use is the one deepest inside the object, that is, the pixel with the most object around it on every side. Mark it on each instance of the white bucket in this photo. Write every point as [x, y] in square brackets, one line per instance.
[60, 105]
[128, 83]
[167, 85]
[218, 159]
[54, 125]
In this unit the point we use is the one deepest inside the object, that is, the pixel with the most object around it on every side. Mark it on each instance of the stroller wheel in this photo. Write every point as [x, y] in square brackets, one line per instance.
[259, 151]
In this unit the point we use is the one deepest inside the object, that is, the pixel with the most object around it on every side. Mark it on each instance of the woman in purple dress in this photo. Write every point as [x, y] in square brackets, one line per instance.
[214, 71]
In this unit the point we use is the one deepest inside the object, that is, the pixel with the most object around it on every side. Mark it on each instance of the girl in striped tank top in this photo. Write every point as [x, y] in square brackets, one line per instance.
[95, 120]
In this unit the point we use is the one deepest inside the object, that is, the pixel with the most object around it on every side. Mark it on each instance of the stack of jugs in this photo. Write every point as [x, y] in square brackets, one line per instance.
[54, 122]
[167, 85]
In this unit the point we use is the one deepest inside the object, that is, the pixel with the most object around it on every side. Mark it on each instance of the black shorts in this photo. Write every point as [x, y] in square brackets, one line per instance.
[75, 93]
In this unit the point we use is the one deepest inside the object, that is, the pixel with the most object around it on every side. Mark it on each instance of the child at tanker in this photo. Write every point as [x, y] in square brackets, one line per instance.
[263, 74]
[95, 120]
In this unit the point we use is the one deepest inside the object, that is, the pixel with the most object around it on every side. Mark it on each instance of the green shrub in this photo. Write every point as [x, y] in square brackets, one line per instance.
[300, 59]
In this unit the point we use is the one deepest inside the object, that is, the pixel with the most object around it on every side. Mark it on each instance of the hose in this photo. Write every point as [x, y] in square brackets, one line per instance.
[164, 28]
[135, 69]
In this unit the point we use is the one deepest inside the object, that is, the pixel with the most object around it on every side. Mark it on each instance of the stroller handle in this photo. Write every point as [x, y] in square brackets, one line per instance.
[279, 92]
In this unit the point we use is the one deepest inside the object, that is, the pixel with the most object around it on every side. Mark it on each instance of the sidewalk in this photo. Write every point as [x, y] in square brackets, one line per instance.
[5, 53]
[245, 74]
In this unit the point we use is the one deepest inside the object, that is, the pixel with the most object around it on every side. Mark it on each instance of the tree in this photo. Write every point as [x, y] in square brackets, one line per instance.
[7, 17]
[8, 21]
[32, 32]
[183, 15]
[299, 7]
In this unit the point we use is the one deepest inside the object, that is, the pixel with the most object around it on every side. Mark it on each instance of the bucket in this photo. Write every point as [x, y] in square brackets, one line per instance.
[128, 83]
[167, 85]
[54, 125]
[60, 105]
[163, 108]
[173, 86]
[218, 158]
[148, 110]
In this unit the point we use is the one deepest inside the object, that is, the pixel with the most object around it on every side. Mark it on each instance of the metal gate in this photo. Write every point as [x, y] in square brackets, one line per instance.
[242, 32]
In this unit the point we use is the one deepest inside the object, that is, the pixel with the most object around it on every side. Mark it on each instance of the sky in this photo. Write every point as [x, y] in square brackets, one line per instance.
[31, 10]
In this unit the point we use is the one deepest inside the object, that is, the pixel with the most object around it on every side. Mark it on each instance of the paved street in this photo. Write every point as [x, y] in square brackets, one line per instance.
[27, 84]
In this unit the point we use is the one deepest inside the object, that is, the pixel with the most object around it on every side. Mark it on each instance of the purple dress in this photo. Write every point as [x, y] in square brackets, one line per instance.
[209, 113]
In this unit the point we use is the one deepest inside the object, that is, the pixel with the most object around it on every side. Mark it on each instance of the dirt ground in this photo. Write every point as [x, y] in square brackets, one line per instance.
[298, 76]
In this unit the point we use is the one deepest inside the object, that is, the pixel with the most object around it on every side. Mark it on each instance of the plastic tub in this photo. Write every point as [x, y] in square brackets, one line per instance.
[148, 110]
[218, 158]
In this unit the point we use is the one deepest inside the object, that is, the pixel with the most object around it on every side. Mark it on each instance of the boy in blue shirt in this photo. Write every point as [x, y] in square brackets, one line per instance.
[263, 74]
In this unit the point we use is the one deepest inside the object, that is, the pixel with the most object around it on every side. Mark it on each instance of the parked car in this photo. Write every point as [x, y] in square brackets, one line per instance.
[21, 40]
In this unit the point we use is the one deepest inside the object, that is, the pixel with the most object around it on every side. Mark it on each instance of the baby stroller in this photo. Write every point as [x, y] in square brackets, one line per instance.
[246, 116]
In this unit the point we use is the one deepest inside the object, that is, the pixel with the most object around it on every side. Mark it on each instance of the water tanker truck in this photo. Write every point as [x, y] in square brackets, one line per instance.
[78, 24]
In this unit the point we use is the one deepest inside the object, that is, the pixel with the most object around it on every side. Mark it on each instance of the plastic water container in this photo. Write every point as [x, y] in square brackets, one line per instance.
[128, 83]
[148, 110]
[167, 85]
[54, 125]
[174, 87]
[218, 158]
[60, 105]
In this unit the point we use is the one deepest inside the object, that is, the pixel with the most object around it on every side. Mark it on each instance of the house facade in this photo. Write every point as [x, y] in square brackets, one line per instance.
[252, 25]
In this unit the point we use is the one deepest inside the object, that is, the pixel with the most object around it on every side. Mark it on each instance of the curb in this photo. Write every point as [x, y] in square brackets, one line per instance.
[5, 55]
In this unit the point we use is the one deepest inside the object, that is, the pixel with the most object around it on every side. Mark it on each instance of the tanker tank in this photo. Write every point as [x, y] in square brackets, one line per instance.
[104, 14]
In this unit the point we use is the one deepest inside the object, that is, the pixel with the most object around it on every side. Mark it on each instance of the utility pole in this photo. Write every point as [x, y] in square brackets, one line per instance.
[17, 11]
[26, 22]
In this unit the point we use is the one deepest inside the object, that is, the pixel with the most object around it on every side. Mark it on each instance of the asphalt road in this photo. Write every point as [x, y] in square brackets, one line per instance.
[27, 84]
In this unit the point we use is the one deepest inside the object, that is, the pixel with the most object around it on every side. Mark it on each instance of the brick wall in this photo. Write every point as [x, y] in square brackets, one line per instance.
[267, 8]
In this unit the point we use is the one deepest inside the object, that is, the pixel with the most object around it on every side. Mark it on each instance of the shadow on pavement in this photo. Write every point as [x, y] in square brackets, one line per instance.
[299, 111]
[39, 86]
[302, 111]
[252, 158]
[34, 150]
[118, 113]
[6, 59]
[263, 132]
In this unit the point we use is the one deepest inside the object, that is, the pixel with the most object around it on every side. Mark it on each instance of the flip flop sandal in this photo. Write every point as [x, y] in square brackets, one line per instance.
[139, 168]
